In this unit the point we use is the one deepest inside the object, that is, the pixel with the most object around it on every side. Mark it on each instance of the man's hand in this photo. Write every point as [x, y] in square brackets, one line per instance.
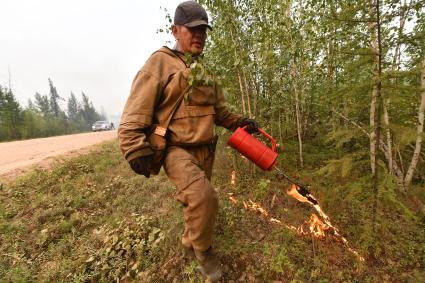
[142, 165]
[252, 125]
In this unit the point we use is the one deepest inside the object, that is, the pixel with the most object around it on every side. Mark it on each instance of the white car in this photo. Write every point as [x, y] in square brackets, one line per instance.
[101, 126]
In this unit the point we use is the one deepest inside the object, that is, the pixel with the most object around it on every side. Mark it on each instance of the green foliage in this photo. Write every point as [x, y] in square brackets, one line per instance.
[262, 189]
[73, 107]
[344, 166]
[10, 115]
[404, 135]
[199, 74]
[280, 262]
[42, 104]
[344, 139]
[53, 100]
[18, 275]
[390, 198]
[44, 117]
[275, 57]
[125, 251]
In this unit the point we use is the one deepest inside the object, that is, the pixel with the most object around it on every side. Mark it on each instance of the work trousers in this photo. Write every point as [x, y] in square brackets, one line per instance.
[190, 169]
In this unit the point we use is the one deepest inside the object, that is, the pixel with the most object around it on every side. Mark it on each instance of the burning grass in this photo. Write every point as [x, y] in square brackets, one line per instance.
[314, 226]
[318, 227]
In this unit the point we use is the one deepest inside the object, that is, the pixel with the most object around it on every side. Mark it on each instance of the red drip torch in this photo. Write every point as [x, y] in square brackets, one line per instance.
[263, 156]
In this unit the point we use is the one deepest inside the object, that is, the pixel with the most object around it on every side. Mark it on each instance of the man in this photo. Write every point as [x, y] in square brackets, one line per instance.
[189, 155]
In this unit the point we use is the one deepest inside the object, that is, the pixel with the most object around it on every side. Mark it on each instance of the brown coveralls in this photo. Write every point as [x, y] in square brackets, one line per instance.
[189, 158]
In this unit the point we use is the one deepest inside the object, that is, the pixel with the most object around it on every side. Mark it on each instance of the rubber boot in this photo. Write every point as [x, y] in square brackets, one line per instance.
[209, 265]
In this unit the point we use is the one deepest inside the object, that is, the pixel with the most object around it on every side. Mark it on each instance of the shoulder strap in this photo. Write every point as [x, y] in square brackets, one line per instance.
[173, 110]
[161, 129]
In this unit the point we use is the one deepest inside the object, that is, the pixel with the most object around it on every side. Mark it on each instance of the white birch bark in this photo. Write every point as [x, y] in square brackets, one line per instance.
[419, 132]
[298, 113]
[242, 94]
[404, 10]
[248, 94]
[373, 101]
[388, 134]
[299, 127]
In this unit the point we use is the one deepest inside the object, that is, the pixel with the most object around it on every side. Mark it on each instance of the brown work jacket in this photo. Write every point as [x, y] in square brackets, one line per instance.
[154, 91]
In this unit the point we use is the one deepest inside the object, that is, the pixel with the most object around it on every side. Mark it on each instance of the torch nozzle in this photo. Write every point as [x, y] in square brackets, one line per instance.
[301, 189]
[308, 196]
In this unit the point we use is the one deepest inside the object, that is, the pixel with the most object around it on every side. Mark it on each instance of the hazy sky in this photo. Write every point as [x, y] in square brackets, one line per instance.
[94, 46]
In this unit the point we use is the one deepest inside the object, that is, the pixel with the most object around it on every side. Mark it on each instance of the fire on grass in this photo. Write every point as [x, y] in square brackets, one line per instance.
[317, 227]
[314, 226]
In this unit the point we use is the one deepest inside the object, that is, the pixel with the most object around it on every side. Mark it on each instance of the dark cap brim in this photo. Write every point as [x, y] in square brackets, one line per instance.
[198, 23]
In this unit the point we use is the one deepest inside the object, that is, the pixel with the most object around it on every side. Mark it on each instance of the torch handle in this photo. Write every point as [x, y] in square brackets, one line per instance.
[292, 181]
[269, 137]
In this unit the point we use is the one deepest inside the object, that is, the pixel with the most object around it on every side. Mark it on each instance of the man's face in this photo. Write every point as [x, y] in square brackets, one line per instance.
[190, 40]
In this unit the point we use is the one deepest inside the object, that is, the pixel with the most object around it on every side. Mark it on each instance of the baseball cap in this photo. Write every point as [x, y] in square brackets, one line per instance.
[191, 14]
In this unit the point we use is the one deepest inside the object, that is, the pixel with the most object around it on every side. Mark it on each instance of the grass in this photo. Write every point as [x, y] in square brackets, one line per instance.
[90, 219]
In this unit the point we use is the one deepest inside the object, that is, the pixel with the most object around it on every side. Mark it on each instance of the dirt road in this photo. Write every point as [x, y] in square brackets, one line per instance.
[16, 157]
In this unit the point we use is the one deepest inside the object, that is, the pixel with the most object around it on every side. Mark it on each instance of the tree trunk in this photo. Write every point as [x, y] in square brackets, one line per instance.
[373, 126]
[404, 10]
[255, 104]
[280, 129]
[248, 94]
[376, 103]
[419, 131]
[298, 119]
[241, 77]
[388, 134]
[242, 94]
[257, 96]
[299, 128]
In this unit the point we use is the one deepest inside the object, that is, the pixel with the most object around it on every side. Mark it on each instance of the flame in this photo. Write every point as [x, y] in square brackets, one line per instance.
[253, 206]
[314, 226]
[296, 195]
[257, 207]
[274, 220]
[317, 227]
[233, 178]
[233, 199]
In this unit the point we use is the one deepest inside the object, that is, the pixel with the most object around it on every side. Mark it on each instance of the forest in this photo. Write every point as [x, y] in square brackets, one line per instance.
[350, 73]
[43, 116]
